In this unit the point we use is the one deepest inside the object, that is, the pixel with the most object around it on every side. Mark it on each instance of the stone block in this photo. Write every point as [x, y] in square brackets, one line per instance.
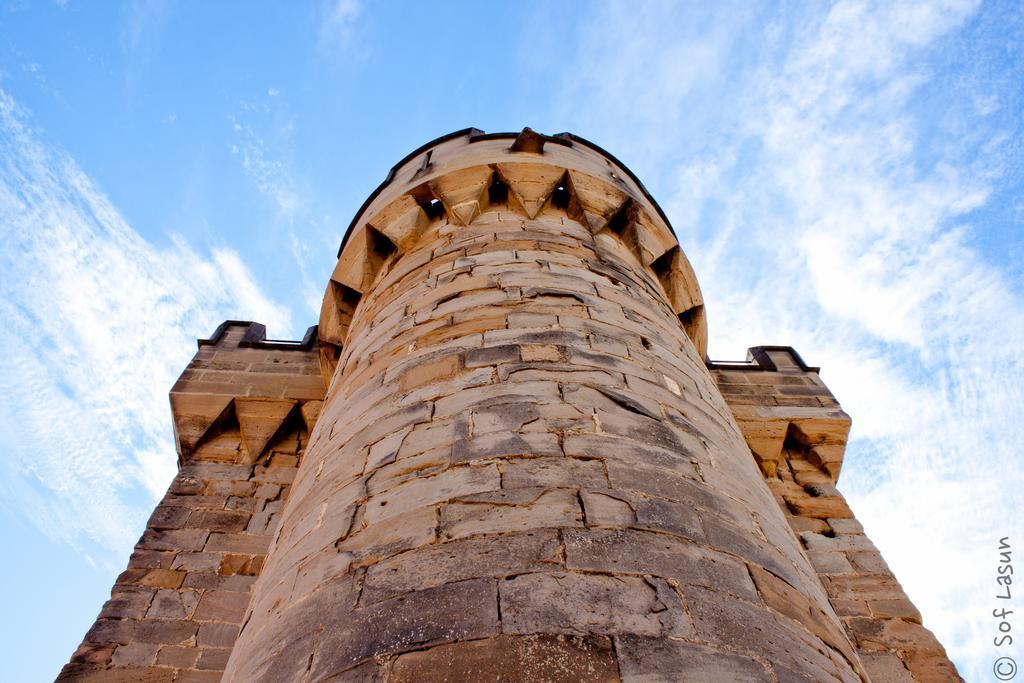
[168, 517]
[173, 539]
[192, 562]
[162, 578]
[133, 675]
[829, 562]
[222, 606]
[583, 604]
[886, 666]
[218, 520]
[193, 676]
[511, 659]
[213, 658]
[230, 488]
[930, 666]
[181, 657]
[893, 634]
[127, 602]
[748, 628]
[215, 634]
[488, 557]
[602, 510]
[659, 660]
[456, 611]
[416, 493]
[134, 655]
[141, 631]
[821, 507]
[646, 553]
[557, 472]
[628, 453]
[787, 600]
[172, 604]
[670, 516]
[506, 418]
[505, 445]
[238, 543]
[897, 608]
[492, 355]
[551, 509]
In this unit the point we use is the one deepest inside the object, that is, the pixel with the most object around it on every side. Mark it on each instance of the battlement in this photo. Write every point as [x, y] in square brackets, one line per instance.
[238, 373]
[458, 176]
[774, 397]
[247, 334]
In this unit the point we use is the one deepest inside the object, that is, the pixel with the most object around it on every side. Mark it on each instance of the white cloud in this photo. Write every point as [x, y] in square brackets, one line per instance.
[270, 175]
[824, 208]
[338, 24]
[97, 325]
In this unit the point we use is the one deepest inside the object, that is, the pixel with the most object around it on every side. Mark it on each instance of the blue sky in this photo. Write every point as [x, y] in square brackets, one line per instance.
[846, 178]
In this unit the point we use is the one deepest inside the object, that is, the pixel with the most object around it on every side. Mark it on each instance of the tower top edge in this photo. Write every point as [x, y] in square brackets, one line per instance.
[474, 135]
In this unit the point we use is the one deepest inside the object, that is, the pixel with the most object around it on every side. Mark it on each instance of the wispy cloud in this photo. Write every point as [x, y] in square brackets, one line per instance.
[338, 24]
[270, 174]
[263, 133]
[820, 177]
[142, 28]
[97, 325]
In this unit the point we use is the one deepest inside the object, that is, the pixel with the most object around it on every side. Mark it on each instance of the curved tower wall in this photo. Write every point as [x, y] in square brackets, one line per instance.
[523, 469]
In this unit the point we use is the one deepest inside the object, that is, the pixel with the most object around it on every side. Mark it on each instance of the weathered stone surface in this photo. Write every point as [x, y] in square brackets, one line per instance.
[373, 542]
[433, 489]
[221, 606]
[544, 509]
[582, 604]
[511, 659]
[601, 510]
[748, 628]
[451, 612]
[657, 660]
[505, 445]
[643, 552]
[886, 666]
[553, 473]
[459, 560]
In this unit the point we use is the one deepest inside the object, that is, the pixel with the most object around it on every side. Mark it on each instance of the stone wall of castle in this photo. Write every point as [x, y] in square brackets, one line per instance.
[522, 451]
[797, 432]
[523, 467]
[242, 415]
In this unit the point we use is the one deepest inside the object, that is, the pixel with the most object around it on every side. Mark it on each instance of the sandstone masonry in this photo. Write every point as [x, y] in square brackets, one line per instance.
[504, 456]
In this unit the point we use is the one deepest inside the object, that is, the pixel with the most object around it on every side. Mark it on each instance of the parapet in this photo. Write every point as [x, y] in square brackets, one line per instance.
[458, 175]
[239, 373]
[774, 397]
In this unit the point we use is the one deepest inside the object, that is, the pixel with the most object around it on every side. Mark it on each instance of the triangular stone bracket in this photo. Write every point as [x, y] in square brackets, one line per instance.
[194, 416]
[311, 413]
[599, 200]
[463, 193]
[260, 422]
[531, 184]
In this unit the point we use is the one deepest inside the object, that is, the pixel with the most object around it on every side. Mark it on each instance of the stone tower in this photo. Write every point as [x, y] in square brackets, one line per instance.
[503, 455]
